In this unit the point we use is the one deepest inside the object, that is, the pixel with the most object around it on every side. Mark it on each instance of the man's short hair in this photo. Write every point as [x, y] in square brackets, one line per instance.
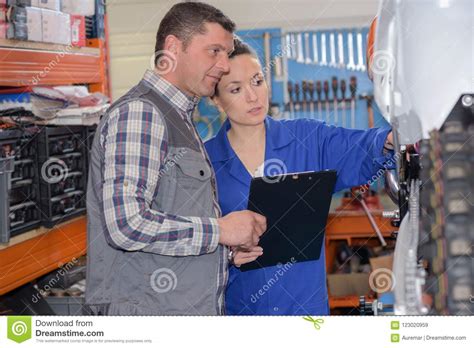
[186, 19]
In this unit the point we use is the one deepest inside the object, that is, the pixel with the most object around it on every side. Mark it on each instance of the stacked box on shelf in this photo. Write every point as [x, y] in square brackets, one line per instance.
[78, 31]
[56, 27]
[63, 168]
[25, 24]
[78, 10]
[3, 19]
[24, 193]
[95, 25]
[49, 4]
[51, 21]
[33, 3]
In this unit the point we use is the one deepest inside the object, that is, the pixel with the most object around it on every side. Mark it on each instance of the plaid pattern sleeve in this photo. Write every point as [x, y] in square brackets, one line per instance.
[134, 144]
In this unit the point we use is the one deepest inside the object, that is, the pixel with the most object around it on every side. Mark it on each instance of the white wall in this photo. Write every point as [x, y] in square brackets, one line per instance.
[133, 25]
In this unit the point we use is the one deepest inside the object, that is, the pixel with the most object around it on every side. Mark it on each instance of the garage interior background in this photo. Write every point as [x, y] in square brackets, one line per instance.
[314, 53]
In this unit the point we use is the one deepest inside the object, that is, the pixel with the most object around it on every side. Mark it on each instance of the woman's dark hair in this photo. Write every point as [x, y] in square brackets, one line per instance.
[186, 19]
[240, 48]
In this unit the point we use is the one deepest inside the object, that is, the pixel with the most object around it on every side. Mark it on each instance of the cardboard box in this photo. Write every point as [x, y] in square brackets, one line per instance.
[31, 3]
[3, 14]
[348, 284]
[3, 19]
[56, 27]
[17, 28]
[34, 24]
[82, 8]
[25, 24]
[54, 5]
[3, 30]
[78, 30]
[381, 262]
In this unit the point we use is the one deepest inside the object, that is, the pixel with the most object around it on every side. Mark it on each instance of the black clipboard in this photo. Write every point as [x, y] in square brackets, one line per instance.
[296, 206]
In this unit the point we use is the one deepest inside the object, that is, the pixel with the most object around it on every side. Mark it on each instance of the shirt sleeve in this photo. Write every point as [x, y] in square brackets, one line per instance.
[358, 156]
[134, 141]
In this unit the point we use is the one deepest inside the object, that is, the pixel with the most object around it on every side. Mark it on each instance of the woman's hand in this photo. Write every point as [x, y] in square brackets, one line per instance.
[241, 256]
[389, 142]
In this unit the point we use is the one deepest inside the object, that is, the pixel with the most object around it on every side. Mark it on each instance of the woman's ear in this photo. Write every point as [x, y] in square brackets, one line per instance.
[215, 100]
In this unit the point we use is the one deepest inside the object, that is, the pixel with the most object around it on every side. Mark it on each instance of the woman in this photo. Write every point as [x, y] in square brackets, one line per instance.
[251, 143]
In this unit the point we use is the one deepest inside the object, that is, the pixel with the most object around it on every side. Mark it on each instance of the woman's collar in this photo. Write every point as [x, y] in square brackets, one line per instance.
[278, 135]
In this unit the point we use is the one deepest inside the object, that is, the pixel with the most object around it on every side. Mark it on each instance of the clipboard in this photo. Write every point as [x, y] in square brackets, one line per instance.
[296, 206]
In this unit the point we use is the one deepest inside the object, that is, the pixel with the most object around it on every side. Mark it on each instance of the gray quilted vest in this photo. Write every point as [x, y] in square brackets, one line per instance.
[128, 283]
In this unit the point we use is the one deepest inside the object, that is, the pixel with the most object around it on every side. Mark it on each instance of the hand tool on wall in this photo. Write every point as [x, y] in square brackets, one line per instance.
[353, 90]
[334, 85]
[332, 47]
[297, 100]
[307, 59]
[288, 46]
[304, 87]
[360, 55]
[294, 47]
[340, 50]
[370, 110]
[324, 60]
[299, 40]
[315, 49]
[291, 103]
[319, 89]
[343, 102]
[326, 102]
[311, 98]
[350, 43]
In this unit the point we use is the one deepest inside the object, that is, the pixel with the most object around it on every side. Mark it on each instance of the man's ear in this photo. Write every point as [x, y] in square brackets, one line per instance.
[171, 44]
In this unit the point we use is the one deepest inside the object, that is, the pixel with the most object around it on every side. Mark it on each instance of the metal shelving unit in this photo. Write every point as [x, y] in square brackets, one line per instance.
[25, 64]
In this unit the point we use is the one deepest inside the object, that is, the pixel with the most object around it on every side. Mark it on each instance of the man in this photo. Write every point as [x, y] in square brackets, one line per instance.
[156, 238]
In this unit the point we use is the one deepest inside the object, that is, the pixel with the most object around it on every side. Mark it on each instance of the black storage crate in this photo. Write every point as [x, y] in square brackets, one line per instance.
[24, 198]
[63, 179]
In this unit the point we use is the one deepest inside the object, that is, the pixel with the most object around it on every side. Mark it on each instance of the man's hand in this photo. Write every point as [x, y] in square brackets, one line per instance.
[241, 229]
[246, 256]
